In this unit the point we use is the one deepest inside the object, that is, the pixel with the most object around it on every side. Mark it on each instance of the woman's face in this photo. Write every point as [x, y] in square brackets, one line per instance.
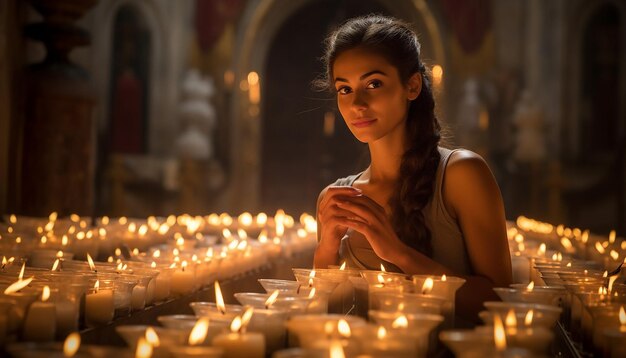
[371, 97]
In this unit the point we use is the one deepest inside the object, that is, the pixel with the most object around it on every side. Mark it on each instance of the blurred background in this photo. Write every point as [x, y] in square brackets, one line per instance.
[157, 107]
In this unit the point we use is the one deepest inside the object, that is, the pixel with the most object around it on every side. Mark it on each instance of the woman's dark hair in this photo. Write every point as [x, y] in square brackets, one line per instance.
[398, 43]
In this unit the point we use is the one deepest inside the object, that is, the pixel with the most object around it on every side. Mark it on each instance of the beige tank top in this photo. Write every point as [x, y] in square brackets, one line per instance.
[447, 239]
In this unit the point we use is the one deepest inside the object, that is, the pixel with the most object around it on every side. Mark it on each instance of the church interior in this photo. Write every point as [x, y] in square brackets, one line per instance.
[138, 132]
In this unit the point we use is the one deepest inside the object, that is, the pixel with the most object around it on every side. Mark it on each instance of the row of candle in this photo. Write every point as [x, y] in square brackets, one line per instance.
[111, 289]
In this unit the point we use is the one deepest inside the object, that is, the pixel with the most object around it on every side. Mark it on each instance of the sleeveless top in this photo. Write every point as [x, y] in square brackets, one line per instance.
[447, 238]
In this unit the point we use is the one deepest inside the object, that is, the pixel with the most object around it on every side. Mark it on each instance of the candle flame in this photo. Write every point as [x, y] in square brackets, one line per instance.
[530, 286]
[600, 248]
[381, 333]
[65, 240]
[622, 316]
[444, 278]
[152, 337]
[381, 279]
[235, 326]
[199, 332]
[144, 349]
[312, 273]
[21, 275]
[91, 264]
[528, 320]
[242, 234]
[612, 236]
[605, 274]
[344, 328]
[312, 293]
[498, 333]
[245, 318]
[510, 320]
[13, 219]
[96, 286]
[45, 294]
[71, 344]
[55, 265]
[153, 264]
[311, 282]
[542, 249]
[400, 322]
[611, 281]
[336, 349]
[382, 268]
[614, 255]
[16, 286]
[567, 244]
[343, 266]
[271, 299]
[219, 299]
[427, 286]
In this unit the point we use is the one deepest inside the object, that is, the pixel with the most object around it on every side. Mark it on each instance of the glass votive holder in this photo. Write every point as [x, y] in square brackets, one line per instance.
[615, 338]
[303, 330]
[409, 302]
[271, 323]
[300, 353]
[45, 350]
[526, 314]
[462, 341]
[99, 308]
[195, 352]
[420, 327]
[214, 313]
[291, 304]
[378, 342]
[167, 336]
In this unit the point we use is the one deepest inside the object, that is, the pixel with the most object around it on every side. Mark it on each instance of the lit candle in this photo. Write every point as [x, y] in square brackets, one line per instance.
[99, 305]
[40, 323]
[239, 343]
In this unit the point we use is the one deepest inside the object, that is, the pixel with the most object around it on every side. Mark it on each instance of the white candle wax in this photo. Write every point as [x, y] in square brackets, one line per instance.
[235, 345]
[521, 268]
[272, 324]
[99, 307]
[40, 322]
[138, 298]
[150, 291]
[182, 282]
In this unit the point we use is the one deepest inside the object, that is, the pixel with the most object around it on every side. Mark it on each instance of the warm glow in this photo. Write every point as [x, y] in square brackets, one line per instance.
[312, 293]
[381, 279]
[599, 247]
[64, 240]
[152, 337]
[235, 326]
[542, 249]
[16, 286]
[153, 264]
[21, 275]
[510, 320]
[219, 299]
[612, 236]
[53, 216]
[55, 265]
[444, 278]
[585, 237]
[605, 274]
[271, 299]
[144, 349]
[530, 286]
[614, 255]
[13, 219]
[180, 242]
[199, 331]
[437, 72]
[427, 286]
[344, 328]
[245, 318]
[611, 281]
[343, 266]
[622, 316]
[382, 268]
[528, 320]
[242, 234]
[245, 219]
[312, 274]
[499, 336]
[400, 322]
[336, 349]
[261, 219]
[45, 294]
[381, 333]
[91, 264]
[71, 344]
[567, 244]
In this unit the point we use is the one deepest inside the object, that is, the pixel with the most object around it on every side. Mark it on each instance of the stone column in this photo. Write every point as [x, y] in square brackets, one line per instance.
[58, 141]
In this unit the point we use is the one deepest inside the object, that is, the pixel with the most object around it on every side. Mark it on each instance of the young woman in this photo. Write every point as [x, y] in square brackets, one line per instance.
[418, 208]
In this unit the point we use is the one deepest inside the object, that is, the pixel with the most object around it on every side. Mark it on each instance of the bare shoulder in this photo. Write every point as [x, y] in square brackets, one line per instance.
[468, 180]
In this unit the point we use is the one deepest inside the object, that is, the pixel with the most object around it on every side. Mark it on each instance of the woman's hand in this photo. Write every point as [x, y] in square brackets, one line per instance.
[370, 219]
[330, 216]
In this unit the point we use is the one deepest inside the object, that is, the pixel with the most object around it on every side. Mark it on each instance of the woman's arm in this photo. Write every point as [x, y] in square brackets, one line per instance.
[472, 196]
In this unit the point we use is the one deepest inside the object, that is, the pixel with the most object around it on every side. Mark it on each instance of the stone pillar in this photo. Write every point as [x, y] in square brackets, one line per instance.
[58, 141]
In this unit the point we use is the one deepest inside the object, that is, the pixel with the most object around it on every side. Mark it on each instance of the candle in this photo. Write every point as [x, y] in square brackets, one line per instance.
[99, 306]
[40, 322]
[239, 343]
[183, 280]
[138, 298]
